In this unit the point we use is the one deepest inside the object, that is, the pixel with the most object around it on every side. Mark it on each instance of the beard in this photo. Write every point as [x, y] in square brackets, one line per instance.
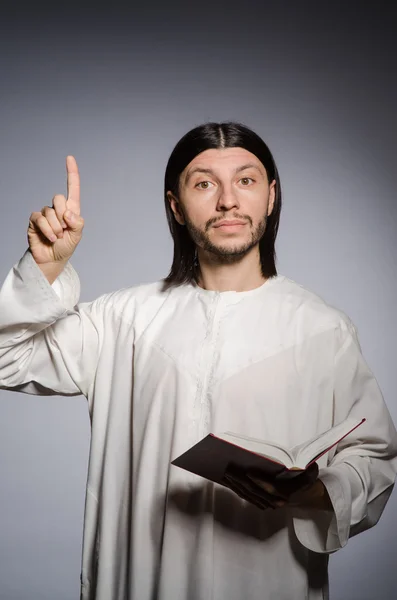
[225, 254]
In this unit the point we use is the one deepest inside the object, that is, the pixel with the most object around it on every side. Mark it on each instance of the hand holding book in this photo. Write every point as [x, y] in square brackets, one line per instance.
[263, 472]
[254, 486]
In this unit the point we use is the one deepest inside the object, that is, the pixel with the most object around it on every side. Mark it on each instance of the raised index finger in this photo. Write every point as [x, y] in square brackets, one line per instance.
[73, 185]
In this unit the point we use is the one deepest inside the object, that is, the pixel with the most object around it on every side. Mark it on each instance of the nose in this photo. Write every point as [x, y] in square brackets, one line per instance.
[228, 199]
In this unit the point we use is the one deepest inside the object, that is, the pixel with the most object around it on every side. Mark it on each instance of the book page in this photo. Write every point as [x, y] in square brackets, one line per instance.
[268, 449]
[304, 453]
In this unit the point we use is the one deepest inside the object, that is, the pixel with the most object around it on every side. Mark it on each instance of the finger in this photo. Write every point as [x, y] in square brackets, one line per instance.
[272, 486]
[50, 214]
[74, 222]
[240, 491]
[252, 489]
[40, 223]
[267, 487]
[264, 485]
[73, 185]
[59, 205]
[265, 490]
[268, 492]
[280, 487]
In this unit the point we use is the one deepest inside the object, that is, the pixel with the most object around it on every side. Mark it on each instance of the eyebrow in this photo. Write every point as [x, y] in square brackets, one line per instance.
[211, 172]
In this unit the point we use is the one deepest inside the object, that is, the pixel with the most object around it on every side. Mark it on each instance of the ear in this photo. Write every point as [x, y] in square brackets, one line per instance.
[176, 208]
[272, 197]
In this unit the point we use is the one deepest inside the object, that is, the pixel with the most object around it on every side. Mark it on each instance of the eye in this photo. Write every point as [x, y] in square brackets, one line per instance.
[246, 180]
[204, 185]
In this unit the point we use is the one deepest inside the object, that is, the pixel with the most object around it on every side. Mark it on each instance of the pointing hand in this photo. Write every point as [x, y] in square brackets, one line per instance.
[54, 232]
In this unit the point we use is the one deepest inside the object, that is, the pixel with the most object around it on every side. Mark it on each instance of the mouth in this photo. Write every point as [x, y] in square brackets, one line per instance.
[229, 223]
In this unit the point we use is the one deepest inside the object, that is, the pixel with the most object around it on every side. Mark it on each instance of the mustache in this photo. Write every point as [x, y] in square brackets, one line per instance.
[214, 220]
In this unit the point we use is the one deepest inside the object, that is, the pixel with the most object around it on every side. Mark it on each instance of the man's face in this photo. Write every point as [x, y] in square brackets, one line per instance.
[224, 201]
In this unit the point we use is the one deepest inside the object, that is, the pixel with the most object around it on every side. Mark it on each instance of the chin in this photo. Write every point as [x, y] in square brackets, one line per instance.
[230, 250]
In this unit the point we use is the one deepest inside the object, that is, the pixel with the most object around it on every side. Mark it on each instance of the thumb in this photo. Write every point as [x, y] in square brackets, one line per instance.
[74, 222]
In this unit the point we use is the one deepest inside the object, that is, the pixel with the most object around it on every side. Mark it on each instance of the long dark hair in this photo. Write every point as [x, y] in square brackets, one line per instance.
[213, 136]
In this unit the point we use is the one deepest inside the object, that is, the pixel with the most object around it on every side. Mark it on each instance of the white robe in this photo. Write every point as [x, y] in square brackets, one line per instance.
[160, 371]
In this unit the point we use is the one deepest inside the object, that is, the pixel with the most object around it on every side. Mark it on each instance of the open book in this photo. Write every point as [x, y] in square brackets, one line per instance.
[211, 456]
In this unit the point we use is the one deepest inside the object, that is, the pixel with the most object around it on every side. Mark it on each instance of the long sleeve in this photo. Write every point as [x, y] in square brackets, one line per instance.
[360, 475]
[49, 344]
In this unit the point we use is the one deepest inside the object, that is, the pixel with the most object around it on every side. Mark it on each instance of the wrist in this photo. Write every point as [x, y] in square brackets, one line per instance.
[52, 270]
[314, 497]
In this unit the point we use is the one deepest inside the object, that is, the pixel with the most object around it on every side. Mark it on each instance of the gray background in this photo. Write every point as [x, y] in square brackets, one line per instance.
[317, 81]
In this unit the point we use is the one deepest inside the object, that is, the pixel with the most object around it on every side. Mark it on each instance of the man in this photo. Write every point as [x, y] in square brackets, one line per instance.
[224, 343]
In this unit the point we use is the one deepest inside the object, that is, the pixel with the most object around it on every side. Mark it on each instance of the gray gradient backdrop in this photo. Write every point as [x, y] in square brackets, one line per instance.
[317, 81]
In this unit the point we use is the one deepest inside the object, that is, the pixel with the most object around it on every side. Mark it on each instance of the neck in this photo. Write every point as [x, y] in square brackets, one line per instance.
[240, 276]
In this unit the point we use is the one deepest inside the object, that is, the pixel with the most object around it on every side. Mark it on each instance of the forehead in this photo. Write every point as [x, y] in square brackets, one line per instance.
[220, 158]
